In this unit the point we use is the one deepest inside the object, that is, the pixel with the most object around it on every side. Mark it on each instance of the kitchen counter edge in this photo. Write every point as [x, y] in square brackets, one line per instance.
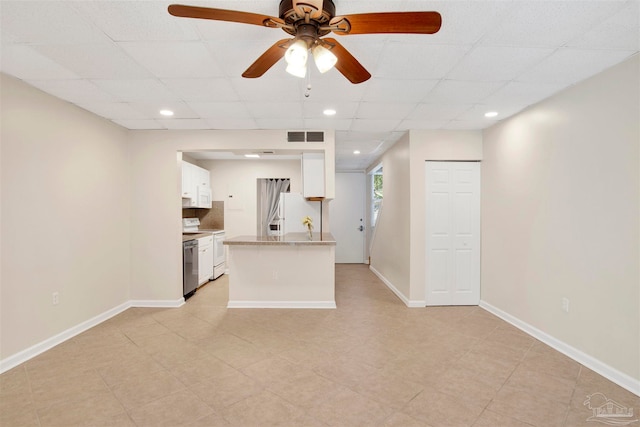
[295, 239]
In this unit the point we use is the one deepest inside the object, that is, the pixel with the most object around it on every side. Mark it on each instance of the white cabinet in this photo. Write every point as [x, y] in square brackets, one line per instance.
[196, 186]
[205, 259]
[313, 175]
[188, 184]
[201, 177]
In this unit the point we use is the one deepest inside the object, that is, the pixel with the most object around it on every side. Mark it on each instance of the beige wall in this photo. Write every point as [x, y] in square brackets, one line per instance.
[65, 216]
[156, 250]
[560, 217]
[391, 242]
[444, 145]
[403, 216]
[239, 177]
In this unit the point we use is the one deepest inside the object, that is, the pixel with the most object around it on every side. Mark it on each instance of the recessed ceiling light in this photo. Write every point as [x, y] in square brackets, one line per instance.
[356, 152]
[491, 114]
[166, 113]
[252, 156]
[329, 112]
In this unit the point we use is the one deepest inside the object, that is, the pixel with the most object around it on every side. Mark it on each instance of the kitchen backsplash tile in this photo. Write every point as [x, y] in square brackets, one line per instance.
[209, 218]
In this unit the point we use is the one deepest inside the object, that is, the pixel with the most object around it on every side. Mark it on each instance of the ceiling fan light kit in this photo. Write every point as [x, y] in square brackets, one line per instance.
[324, 59]
[310, 20]
[297, 70]
[297, 53]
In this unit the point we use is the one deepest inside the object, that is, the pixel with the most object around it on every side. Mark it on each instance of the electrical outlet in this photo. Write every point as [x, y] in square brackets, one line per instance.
[275, 275]
[565, 304]
[55, 297]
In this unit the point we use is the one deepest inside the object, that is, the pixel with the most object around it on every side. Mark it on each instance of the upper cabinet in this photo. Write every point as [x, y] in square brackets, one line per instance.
[196, 186]
[313, 175]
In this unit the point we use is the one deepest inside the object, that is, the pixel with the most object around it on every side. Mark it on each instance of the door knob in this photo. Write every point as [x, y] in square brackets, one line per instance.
[361, 228]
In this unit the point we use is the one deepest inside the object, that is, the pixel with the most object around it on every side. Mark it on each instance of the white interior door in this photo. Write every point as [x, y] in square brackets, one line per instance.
[346, 217]
[453, 233]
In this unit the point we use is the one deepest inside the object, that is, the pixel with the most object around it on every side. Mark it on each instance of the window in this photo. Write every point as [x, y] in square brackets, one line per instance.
[376, 194]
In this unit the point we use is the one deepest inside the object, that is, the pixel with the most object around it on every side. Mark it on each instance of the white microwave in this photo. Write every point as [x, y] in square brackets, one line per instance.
[203, 197]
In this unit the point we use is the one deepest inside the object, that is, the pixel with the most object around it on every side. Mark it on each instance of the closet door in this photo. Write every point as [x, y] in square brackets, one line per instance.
[453, 233]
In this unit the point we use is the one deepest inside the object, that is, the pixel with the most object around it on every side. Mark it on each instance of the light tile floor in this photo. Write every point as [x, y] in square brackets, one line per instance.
[370, 362]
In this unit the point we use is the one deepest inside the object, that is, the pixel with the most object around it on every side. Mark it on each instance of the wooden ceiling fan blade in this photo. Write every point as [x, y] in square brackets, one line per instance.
[347, 64]
[388, 22]
[267, 59]
[184, 11]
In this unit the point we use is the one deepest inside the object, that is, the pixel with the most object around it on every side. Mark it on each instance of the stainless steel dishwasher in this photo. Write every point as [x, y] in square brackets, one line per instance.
[189, 267]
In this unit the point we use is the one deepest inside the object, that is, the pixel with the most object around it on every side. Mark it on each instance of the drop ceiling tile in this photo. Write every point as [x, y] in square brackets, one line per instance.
[334, 124]
[73, 90]
[344, 110]
[421, 124]
[364, 146]
[480, 41]
[113, 110]
[94, 61]
[477, 112]
[462, 21]
[220, 110]
[246, 123]
[568, 66]
[151, 109]
[136, 90]
[139, 124]
[266, 7]
[497, 63]
[54, 22]
[416, 61]
[235, 56]
[366, 6]
[548, 23]
[214, 89]
[621, 31]
[467, 125]
[174, 59]
[374, 125]
[220, 31]
[280, 123]
[350, 165]
[268, 88]
[333, 86]
[390, 90]
[136, 20]
[520, 93]
[367, 49]
[346, 137]
[185, 123]
[385, 111]
[461, 92]
[275, 110]
[438, 112]
[24, 62]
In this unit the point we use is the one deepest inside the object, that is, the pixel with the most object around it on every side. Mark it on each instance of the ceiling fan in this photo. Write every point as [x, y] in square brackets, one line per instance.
[308, 21]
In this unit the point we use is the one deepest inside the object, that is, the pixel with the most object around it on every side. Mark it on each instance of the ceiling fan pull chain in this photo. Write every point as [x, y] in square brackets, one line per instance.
[307, 92]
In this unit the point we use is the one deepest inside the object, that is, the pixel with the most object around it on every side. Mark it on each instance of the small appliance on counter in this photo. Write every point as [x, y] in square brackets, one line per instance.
[192, 226]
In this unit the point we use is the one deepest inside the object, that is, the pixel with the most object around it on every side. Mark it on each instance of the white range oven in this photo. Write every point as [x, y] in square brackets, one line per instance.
[192, 226]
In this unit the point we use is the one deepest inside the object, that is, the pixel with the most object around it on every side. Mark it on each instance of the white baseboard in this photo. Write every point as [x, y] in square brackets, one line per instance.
[31, 352]
[409, 303]
[281, 304]
[157, 303]
[620, 378]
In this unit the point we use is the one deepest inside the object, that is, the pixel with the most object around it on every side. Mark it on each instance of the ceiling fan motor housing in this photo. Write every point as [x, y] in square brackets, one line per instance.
[289, 14]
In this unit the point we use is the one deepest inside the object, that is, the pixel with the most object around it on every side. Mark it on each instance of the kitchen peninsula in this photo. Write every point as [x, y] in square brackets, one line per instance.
[290, 271]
